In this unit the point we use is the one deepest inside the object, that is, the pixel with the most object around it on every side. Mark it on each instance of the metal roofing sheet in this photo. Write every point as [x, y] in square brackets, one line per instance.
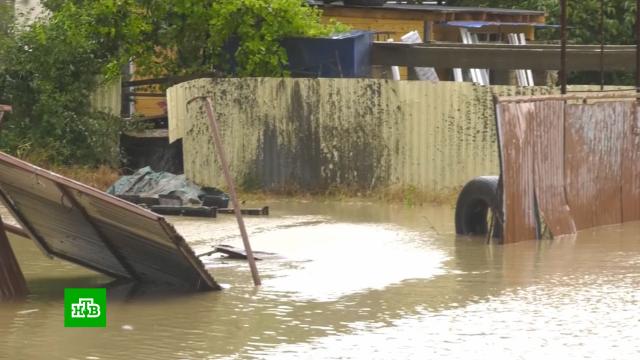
[436, 8]
[481, 24]
[88, 227]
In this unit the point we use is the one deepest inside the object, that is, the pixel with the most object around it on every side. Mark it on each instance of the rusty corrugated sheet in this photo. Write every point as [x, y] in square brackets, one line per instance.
[631, 169]
[548, 173]
[515, 122]
[588, 151]
[594, 138]
[313, 134]
[85, 226]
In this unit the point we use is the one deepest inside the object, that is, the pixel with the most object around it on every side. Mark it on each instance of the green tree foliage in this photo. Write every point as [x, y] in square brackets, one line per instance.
[49, 70]
[251, 30]
[48, 74]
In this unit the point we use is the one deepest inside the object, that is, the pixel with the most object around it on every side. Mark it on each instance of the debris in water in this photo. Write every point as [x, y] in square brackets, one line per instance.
[236, 253]
[88, 227]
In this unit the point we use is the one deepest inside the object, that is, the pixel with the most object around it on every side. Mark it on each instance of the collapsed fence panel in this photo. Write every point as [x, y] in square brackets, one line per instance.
[85, 226]
[517, 163]
[548, 172]
[567, 166]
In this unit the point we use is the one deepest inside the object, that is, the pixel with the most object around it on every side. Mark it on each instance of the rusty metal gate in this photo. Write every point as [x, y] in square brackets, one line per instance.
[568, 163]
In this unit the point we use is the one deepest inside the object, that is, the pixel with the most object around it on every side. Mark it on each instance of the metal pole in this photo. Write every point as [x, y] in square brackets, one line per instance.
[602, 45]
[637, 45]
[563, 46]
[215, 134]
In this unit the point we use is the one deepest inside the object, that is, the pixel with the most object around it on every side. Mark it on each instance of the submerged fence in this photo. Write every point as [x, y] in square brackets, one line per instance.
[314, 134]
[571, 164]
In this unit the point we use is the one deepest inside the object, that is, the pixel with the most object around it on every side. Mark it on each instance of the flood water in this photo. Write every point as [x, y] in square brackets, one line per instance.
[355, 281]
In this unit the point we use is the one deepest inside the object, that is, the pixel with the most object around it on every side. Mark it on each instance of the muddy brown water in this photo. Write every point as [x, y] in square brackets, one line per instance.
[357, 281]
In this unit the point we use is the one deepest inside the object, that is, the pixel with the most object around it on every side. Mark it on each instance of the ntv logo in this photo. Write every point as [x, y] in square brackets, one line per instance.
[85, 308]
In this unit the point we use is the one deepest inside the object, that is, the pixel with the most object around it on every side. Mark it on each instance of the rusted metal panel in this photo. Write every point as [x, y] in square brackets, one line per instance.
[631, 168]
[548, 175]
[586, 168]
[12, 282]
[594, 135]
[88, 227]
[516, 151]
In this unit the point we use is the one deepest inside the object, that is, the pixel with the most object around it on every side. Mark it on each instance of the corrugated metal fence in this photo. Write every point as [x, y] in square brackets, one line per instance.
[313, 134]
[108, 97]
[574, 165]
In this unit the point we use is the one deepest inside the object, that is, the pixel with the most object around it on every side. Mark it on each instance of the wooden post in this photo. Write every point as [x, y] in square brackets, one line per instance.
[217, 140]
[12, 283]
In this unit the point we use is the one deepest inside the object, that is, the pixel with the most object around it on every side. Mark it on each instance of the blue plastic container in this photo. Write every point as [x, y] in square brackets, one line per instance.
[345, 55]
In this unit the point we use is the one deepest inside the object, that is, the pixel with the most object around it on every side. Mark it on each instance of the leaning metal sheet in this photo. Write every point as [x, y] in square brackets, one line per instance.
[514, 120]
[85, 226]
[548, 175]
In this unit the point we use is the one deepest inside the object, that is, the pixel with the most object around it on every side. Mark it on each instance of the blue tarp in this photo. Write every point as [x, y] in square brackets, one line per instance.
[148, 183]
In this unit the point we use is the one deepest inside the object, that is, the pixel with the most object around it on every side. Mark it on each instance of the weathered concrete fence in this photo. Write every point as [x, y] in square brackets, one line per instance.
[314, 134]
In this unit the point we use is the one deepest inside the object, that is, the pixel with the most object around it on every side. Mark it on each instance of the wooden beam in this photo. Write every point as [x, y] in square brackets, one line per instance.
[498, 46]
[503, 57]
[12, 282]
[372, 13]
[17, 231]
[170, 80]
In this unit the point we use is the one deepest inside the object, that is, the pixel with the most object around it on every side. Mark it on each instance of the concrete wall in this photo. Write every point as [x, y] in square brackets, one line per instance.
[314, 134]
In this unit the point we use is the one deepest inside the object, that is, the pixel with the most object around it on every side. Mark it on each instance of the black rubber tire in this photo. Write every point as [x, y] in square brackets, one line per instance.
[475, 200]
[365, 2]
